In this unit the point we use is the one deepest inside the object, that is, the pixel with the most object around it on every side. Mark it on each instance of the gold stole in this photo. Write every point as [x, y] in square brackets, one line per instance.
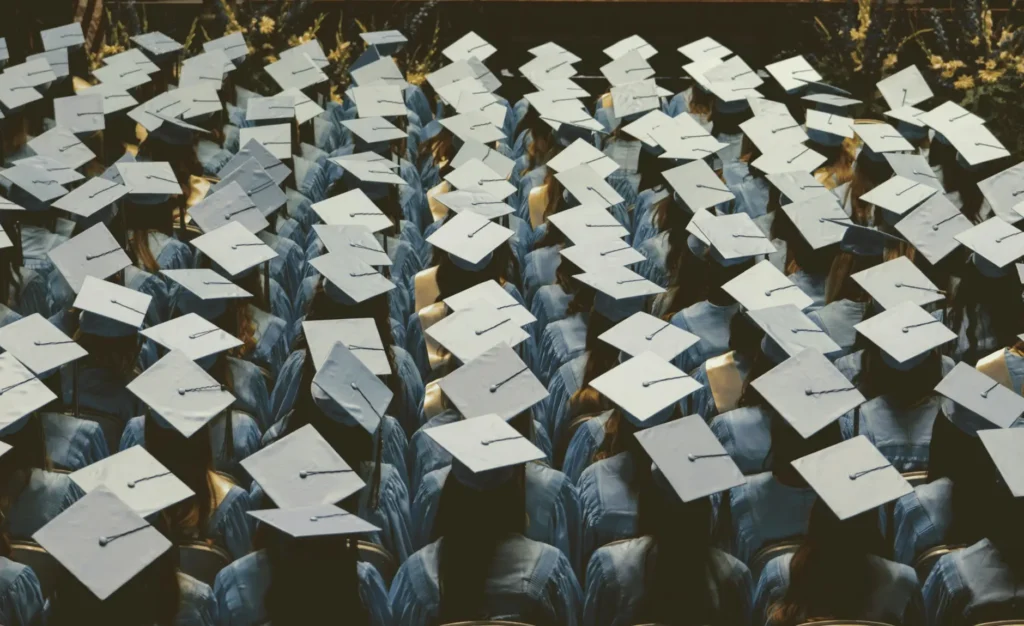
[438, 210]
[538, 203]
[429, 316]
[994, 366]
[425, 288]
[606, 101]
[432, 404]
[725, 380]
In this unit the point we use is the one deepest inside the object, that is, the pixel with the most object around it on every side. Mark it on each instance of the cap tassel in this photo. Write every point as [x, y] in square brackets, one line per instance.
[856, 475]
[104, 541]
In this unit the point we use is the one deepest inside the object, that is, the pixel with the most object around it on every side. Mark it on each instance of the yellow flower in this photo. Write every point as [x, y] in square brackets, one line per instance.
[964, 83]
[976, 41]
[990, 76]
[1020, 67]
[857, 35]
[889, 62]
[990, 64]
[936, 61]
[267, 24]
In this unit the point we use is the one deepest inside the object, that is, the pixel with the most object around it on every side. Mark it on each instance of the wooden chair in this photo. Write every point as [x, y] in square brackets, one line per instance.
[487, 622]
[919, 477]
[1009, 622]
[769, 552]
[46, 568]
[843, 622]
[380, 558]
[924, 563]
[202, 561]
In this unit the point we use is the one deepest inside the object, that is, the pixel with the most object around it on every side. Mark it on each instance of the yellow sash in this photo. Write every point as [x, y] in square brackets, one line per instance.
[438, 210]
[432, 402]
[429, 316]
[725, 380]
[199, 186]
[994, 366]
[219, 487]
[538, 202]
[425, 287]
[606, 101]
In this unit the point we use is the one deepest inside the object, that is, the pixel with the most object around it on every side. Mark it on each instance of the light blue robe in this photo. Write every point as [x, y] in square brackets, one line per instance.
[550, 304]
[751, 192]
[921, 520]
[902, 435]
[894, 599]
[552, 509]
[73, 443]
[170, 254]
[36, 244]
[241, 588]
[710, 322]
[654, 266]
[46, 496]
[32, 298]
[21, 598]
[761, 512]
[609, 504]
[539, 268]
[561, 341]
[587, 439]
[102, 391]
[616, 580]
[555, 408]
[746, 434]
[529, 581]
[837, 319]
[811, 284]
[970, 581]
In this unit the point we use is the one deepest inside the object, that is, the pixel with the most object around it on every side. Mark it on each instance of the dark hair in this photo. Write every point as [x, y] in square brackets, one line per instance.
[839, 285]
[543, 144]
[554, 203]
[28, 452]
[745, 338]
[904, 388]
[962, 458]
[867, 174]
[118, 355]
[788, 445]
[471, 524]
[976, 295]
[452, 279]
[312, 579]
[440, 147]
[830, 575]
[10, 276]
[191, 460]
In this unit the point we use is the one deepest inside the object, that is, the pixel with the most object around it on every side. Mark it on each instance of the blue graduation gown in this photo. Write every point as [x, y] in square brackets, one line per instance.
[46, 496]
[21, 598]
[561, 341]
[837, 319]
[609, 504]
[73, 443]
[761, 512]
[921, 520]
[710, 322]
[902, 435]
[746, 435]
[971, 581]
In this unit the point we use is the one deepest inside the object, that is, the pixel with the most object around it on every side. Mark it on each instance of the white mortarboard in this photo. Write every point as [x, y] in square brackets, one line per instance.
[57, 59]
[379, 100]
[798, 186]
[311, 49]
[732, 79]
[852, 477]
[830, 123]
[471, 149]
[644, 386]
[360, 336]
[821, 221]
[234, 248]
[133, 57]
[226, 204]
[897, 281]
[620, 283]
[449, 74]
[35, 73]
[793, 158]
[691, 458]
[302, 469]
[550, 48]
[192, 335]
[55, 170]
[565, 85]
[149, 178]
[905, 332]
[321, 520]
[473, 175]
[355, 279]
[386, 41]
[933, 226]
[764, 286]
[470, 332]
[581, 152]
[181, 393]
[788, 332]
[479, 202]
[899, 195]
[698, 185]
[764, 106]
[382, 71]
[704, 48]
[549, 66]
[113, 302]
[467, 94]
[102, 542]
[34, 180]
[793, 73]
[914, 167]
[277, 170]
[62, 36]
[5, 54]
[353, 240]
[585, 225]
[38, 344]
[772, 132]
[634, 98]
[736, 237]
[374, 129]
[297, 71]
[15, 92]
[594, 256]
[588, 187]
[94, 252]
[206, 284]
[908, 115]
[257, 183]
[575, 117]
[981, 395]
[206, 69]
[633, 43]
[642, 332]
[905, 88]
[372, 171]
[136, 478]
[995, 241]
[495, 382]
[80, 114]
[490, 294]
[474, 125]
[5, 239]
[21, 393]
[976, 144]
[832, 100]
[305, 109]
[485, 443]
[270, 108]
[882, 138]
[352, 207]
[950, 116]
[628, 68]
[62, 145]
[1005, 192]
[1004, 447]
[276, 138]
[469, 237]
[346, 390]
[233, 45]
[124, 76]
[157, 43]
[469, 45]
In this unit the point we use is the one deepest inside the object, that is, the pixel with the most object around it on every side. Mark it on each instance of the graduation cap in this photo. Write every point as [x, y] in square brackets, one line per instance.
[234, 248]
[981, 396]
[899, 280]
[468, 333]
[793, 73]
[298, 71]
[495, 382]
[192, 335]
[882, 138]
[633, 99]
[646, 388]
[788, 332]
[474, 125]
[39, 184]
[80, 114]
[180, 393]
[233, 45]
[15, 92]
[588, 187]
[621, 292]
[798, 186]
[791, 158]
[948, 117]
[62, 145]
[588, 224]
[123, 75]
[485, 449]
[642, 332]
[270, 109]
[157, 43]
[276, 138]
[350, 280]
[110, 310]
[305, 109]
[349, 392]
[134, 475]
[258, 183]
[253, 149]
[226, 204]
[133, 57]
[933, 226]
[65, 36]
[21, 394]
[359, 336]
[206, 69]
[581, 152]
[773, 132]
[382, 71]
[385, 41]
[905, 88]
[374, 130]
[633, 43]
[470, 238]
[468, 46]
[898, 195]
[735, 238]
[698, 185]
[378, 100]
[550, 66]
[353, 240]
[704, 48]
[34, 72]
[821, 221]
[352, 208]
[322, 520]
[490, 294]
[1005, 193]
[763, 286]
[55, 170]
[628, 68]
[152, 179]
[311, 49]
[976, 145]
[906, 333]
[594, 256]
[94, 252]
[995, 244]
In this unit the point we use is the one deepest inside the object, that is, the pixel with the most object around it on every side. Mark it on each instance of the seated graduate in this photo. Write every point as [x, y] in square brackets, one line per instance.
[982, 582]
[177, 432]
[21, 598]
[482, 566]
[499, 382]
[120, 569]
[671, 573]
[307, 571]
[838, 572]
[343, 403]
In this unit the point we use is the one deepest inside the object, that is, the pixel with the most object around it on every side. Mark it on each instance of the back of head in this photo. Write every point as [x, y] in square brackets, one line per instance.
[313, 579]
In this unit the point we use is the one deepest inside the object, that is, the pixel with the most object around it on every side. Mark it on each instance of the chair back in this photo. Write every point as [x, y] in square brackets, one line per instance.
[487, 622]
[202, 561]
[843, 622]
[917, 478]
[1009, 622]
[769, 552]
[924, 563]
[380, 558]
[46, 568]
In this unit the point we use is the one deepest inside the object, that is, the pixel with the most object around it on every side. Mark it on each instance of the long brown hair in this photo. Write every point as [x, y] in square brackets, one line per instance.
[313, 578]
[191, 460]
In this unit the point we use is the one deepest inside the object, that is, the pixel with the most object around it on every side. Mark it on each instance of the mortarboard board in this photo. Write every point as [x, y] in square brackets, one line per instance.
[157, 43]
[16, 92]
[976, 144]
[981, 395]
[134, 475]
[226, 204]
[133, 57]
[495, 382]
[581, 152]
[352, 207]
[995, 241]
[642, 332]
[633, 43]
[374, 129]
[62, 36]
[470, 238]
[347, 391]
[899, 280]
[193, 336]
[181, 393]
[496, 161]
[94, 252]
[270, 109]
[484, 449]
[633, 99]
[110, 310]
[621, 292]
[905, 333]
[588, 187]
[793, 73]
[124, 76]
[830, 123]
[948, 117]
[253, 149]
[644, 387]
[468, 333]
[588, 224]
[788, 332]
[933, 226]
[234, 248]
[899, 195]
[473, 125]
[297, 71]
[311, 49]
[821, 221]
[80, 114]
[594, 256]
[62, 145]
[698, 185]
[792, 158]
[705, 48]
[305, 109]
[628, 68]
[353, 240]
[905, 88]
[479, 202]
[233, 45]
[356, 281]
[276, 138]
[798, 186]
[1004, 447]
[55, 170]
[151, 178]
[490, 294]
[257, 183]
[1005, 193]
[360, 336]
[385, 41]
[763, 286]
[735, 238]
[773, 132]
[35, 181]
[469, 45]
[21, 393]
[882, 138]
[321, 520]
[378, 100]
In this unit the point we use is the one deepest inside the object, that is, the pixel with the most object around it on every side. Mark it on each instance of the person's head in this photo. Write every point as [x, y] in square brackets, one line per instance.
[987, 306]
[191, 460]
[960, 457]
[839, 285]
[10, 276]
[788, 445]
[453, 278]
[902, 387]
[869, 172]
[117, 355]
[28, 452]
